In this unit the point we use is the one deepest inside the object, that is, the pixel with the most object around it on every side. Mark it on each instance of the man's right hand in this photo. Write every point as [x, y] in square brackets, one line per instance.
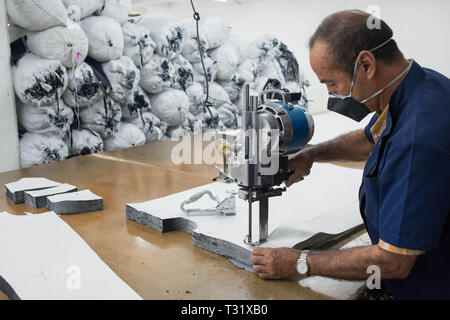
[301, 164]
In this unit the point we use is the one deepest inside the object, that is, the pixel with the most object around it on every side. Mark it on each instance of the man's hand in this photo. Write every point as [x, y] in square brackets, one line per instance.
[275, 263]
[301, 165]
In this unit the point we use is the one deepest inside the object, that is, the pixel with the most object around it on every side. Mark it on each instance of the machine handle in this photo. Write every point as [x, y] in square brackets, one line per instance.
[280, 92]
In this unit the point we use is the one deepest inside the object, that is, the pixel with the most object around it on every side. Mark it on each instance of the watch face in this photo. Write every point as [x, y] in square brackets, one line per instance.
[302, 268]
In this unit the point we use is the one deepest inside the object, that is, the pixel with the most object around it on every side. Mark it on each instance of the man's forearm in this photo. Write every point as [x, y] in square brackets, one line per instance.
[353, 146]
[353, 263]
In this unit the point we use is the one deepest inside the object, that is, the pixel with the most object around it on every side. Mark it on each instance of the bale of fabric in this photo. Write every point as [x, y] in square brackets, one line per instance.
[105, 36]
[150, 125]
[216, 31]
[210, 68]
[85, 142]
[127, 136]
[36, 149]
[138, 103]
[191, 49]
[124, 77]
[171, 106]
[69, 44]
[228, 114]
[167, 34]
[247, 70]
[46, 120]
[183, 75]
[102, 117]
[177, 132]
[87, 7]
[139, 46]
[156, 75]
[37, 15]
[218, 95]
[116, 9]
[39, 81]
[196, 95]
[227, 59]
[84, 88]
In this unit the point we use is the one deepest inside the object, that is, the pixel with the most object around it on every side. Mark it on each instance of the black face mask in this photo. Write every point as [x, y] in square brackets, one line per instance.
[349, 106]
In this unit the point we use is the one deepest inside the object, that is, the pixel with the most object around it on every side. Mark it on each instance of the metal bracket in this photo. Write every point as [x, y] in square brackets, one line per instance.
[226, 207]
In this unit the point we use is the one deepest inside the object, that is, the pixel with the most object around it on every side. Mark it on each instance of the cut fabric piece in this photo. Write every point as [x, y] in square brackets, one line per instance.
[69, 45]
[103, 117]
[139, 46]
[39, 81]
[37, 15]
[75, 202]
[15, 190]
[127, 136]
[36, 149]
[47, 120]
[38, 199]
[124, 77]
[105, 36]
[44, 259]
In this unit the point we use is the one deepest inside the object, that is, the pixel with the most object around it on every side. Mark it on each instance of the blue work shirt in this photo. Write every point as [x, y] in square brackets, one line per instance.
[405, 191]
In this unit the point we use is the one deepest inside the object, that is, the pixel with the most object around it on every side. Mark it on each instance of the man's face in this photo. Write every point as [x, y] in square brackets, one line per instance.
[337, 81]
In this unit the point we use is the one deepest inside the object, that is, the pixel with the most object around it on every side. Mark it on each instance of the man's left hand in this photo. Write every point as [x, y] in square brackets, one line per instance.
[275, 263]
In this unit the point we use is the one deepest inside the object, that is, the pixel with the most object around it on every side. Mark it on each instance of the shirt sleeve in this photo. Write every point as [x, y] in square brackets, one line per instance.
[369, 126]
[414, 198]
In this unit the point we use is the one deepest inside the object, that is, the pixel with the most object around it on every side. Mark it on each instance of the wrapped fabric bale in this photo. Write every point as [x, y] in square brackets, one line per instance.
[137, 104]
[74, 13]
[156, 75]
[211, 70]
[195, 123]
[289, 64]
[105, 36]
[37, 15]
[190, 46]
[183, 73]
[247, 70]
[228, 114]
[167, 34]
[149, 124]
[217, 94]
[86, 141]
[103, 117]
[216, 31]
[233, 87]
[210, 119]
[87, 7]
[124, 77]
[171, 106]
[116, 9]
[46, 120]
[196, 95]
[127, 136]
[240, 45]
[84, 89]
[39, 81]
[36, 149]
[227, 59]
[139, 46]
[265, 46]
[69, 44]
[177, 132]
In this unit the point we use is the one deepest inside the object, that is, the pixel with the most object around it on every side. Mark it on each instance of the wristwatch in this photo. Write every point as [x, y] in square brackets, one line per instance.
[302, 264]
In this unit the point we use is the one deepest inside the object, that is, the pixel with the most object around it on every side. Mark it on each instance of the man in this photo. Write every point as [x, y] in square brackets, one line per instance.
[405, 191]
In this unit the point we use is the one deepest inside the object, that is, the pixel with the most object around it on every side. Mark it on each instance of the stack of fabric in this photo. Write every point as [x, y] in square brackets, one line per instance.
[91, 79]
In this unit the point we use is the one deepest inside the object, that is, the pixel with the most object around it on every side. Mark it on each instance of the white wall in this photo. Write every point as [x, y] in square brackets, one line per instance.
[420, 27]
[9, 157]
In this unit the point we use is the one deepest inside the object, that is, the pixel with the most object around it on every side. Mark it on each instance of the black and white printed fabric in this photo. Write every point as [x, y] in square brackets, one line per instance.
[156, 75]
[39, 81]
[167, 34]
[105, 36]
[37, 15]
[139, 46]
[216, 31]
[124, 77]
[86, 7]
[45, 120]
[36, 149]
[85, 142]
[102, 117]
[84, 89]
[116, 9]
[171, 106]
[127, 136]
[68, 44]
[138, 104]
[183, 75]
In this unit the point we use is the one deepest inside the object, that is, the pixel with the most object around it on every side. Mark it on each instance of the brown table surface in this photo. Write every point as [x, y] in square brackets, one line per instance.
[155, 265]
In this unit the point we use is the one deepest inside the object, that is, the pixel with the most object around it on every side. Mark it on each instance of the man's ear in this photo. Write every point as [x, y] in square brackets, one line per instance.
[368, 63]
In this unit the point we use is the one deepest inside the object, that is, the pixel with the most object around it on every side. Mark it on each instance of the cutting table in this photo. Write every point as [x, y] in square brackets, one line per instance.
[155, 265]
